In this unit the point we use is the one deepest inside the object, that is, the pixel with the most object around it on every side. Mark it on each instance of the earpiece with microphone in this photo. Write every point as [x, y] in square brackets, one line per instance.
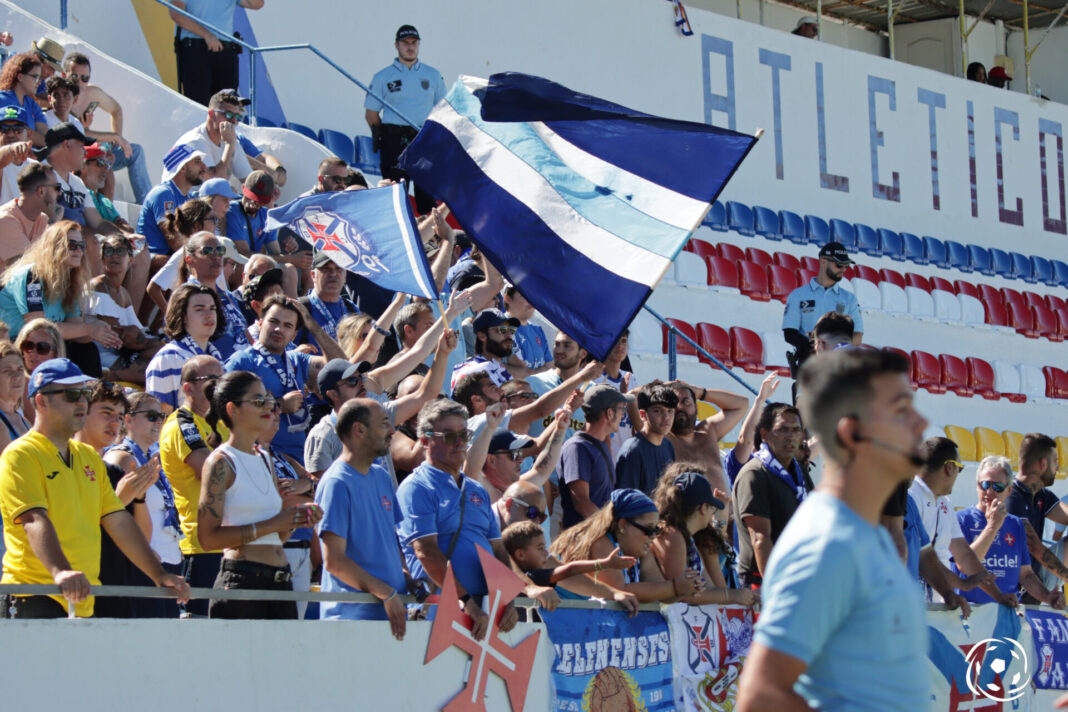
[910, 455]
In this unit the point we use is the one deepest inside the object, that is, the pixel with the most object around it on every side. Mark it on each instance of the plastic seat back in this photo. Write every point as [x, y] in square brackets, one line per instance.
[702, 248]
[936, 251]
[920, 303]
[946, 305]
[758, 256]
[943, 284]
[991, 295]
[869, 273]
[302, 129]
[753, 281]
[339, 144]
[730, 252]
[981, 378]
[988, 442]
[740, 218]
[1046, 323]
[722, 273]
[996, 314]
[682, 346]
[1056, 382]
[972, 311]
[845, 233]
[964, 287]
[691, 269]
[1032, 381]
[927, 371]
[893, 277]
[1013, 297]
[965, 441]
[766, 222]
[1001, 263]
[918, 281]
[793, 227]
[817, 230]
[1012, 440]
[1021, 265]
[955, 375]
[891, 244]
[368, 159]
[1022, 318]
[810, 263]
[715, 340]
[957, 254]
[868, 240]
[781, 282]
[867, 294]
[716, 217]
[914, 251]
[1007, 381]
[785, 259]
[980, 259]
[1060, 272]
[1042, 270]
[1034, 299]
[747, 349]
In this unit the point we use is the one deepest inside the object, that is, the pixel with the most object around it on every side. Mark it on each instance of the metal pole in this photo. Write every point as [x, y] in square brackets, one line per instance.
[252, 120]
[819, 20]
[672, 364]
[890, 26]
[62, 14]
[963, 43]
[1027, 46]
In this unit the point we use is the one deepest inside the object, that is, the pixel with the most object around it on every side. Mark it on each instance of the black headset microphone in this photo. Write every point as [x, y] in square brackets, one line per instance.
[910, 455]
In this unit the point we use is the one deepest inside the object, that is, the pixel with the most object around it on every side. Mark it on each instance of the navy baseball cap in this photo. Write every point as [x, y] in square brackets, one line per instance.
[14, 112]
[836, 252]
[489, 318]
[56, 370]
[602, 397]
[339, 369]
[696, 490]
[507, 441]
[217, 186]
[406, 31]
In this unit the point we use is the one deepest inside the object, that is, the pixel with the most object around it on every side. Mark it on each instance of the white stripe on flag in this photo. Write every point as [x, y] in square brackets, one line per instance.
[413, 260]
[651, 198]
[526, 185]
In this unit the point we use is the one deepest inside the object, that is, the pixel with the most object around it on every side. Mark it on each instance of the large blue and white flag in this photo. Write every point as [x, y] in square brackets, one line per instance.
[581, 203]
[369, 232]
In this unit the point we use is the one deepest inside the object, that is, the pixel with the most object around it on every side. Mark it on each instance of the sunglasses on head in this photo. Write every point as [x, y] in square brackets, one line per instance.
[110, 251]
[209, 251]
[152, 416]
[451, 438]
[988, 485]
[71, 395]
[647, 531]
[43, 348]
[532, 512]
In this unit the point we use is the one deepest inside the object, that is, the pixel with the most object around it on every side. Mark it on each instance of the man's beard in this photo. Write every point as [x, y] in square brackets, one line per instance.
[498, 349]
[683, 424]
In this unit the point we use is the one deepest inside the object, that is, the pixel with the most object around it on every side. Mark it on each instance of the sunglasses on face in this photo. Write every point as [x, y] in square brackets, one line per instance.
[532, 512]
[11, 128]
[231, 115]
[457, 436]
[264, 401]
[83, 77]
[203, 378]
[353, 382]
[43, 348]
[988, 485]
[100, 162]
[35, 77]
[71, 395]
[647, 531]
[110, 251]
[74, 245]
[525, 395]
[959, 465]
[514, 455]
[209, 251]
[152, 416]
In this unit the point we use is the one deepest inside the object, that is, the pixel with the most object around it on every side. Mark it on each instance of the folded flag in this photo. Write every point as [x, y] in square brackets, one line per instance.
[369, 232]
[581, 203]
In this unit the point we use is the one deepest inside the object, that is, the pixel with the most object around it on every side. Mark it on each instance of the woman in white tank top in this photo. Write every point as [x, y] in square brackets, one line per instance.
[240, 508]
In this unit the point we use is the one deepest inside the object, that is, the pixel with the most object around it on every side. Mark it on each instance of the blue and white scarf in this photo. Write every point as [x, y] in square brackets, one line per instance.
[795, 480]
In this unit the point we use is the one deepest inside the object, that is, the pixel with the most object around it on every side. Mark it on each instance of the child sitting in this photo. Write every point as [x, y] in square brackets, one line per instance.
[525, 543]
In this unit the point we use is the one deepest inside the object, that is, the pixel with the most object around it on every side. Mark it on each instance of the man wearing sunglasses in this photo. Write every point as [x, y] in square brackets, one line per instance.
[55, 498]
[494, 341]
[183, 170]
[24, 219]
[217, 136]
[15, 148]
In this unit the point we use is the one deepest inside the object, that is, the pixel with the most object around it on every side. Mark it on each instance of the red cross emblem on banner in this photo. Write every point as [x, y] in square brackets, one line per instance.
[317, 232]
[491, 654]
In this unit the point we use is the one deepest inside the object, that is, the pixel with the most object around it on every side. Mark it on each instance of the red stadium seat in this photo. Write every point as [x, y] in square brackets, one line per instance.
[893, 277]
[806, 275]
[868, 273]
[702, 248]
[1046, 323]
[730, 252]
[990, 295]
[747, 349]
[753, 281]
[955, 375]
[918, 281]
[785, 259]
[721, 272]
[968, 288]
[1013, 297]
[1055, 302]
[1034, 299]
[981, 378]
[1056, 382]
[715, 340]
[1022, 318]
[781, 282]
[850, 273]
[944, 284]
[810, 263]
[927, 372]
[682, 346]
[996, 314]
[758, 256]
[1062, 320]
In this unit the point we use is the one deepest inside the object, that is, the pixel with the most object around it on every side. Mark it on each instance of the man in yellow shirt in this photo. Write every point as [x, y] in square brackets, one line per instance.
[54, 498]
[183, 448]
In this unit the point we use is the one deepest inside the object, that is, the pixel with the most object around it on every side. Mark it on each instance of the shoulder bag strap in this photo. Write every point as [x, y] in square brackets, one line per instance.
[456, 536]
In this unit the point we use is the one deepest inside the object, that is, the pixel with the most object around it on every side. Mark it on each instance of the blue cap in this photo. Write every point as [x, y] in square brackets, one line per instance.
[696, 490]
[630, 503]
[14, 112]
[507, 441]
[56, 370]
[217, 186]
[489, 318]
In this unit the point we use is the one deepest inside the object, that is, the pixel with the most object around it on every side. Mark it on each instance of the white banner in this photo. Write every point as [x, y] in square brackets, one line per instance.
[708, 646]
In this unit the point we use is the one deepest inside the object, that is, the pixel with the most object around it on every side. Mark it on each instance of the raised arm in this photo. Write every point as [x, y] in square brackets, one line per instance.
[369, 349]
[731, 406]
[409, 405]
[550, 455]
[747, 435]
[476, 454]
[547, 404]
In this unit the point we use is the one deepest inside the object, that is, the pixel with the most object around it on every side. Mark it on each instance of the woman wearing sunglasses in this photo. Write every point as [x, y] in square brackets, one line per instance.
[241, 510]
[37, 342]
[630, 522]
[50, 280]
[12, 390]
[690, 539]
[193, 318]
[110, 302]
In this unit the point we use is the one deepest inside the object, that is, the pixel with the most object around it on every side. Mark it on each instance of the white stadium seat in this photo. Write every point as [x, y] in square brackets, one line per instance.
[894, 300]
[691, 270]
[1032, 381]
[867, 294]
[946, 306]
[921, 304]
[971, 311]
[645, 334]
[1007, 378]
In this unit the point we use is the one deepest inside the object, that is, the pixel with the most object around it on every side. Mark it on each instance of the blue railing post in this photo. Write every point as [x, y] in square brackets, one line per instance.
[673, 368]
[62, 14]
[252, 120]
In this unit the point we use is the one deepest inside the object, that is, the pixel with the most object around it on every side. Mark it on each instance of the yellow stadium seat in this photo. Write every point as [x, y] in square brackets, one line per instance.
[1012, 447]
[965, 442]
[1062, 457]
[988, 442]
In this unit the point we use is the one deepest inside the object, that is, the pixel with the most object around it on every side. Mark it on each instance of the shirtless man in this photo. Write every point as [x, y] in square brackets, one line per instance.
[698, 441]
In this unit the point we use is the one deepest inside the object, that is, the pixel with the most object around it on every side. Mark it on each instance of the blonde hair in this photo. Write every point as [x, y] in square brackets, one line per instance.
[348, 332]
[575, 543]
[47, 257]
[46, 325]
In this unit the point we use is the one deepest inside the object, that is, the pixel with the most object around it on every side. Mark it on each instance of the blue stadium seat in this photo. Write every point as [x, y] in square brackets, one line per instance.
[843, 232]
[366, 158]
[1022, 265]
[935, 250]
[914, 251]
[817, 230]
[716, 218]
[262, 121]
[740, 217]
[980, 259]
[1042, 270]
[767, 222]
[1060, 272]
[868, 240]
[891, 244]
[301, 129]
[339, 144]
[793, 227]
[958, 256]
[1002, 263]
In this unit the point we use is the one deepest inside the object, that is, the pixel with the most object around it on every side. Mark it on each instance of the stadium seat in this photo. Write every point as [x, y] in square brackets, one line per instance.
[339, 144]
[1007, 382]
[1023, 268]
[1054, 302]
[943, 284]
[781, 282]
[1012, 446]
[1062, 454]
[1032, 381]
[965, 441]
[914, 251]
[301, 129]
[845, 233]
[936, 251]
[682, 346]
[1042, 270]
[645, 335]
[1034, 299]
[1046, 323]
[1002, 263]
[996, 314]
[368, 159]
[702, 248]
[1062, 320]
[868, 240]
[946, 306]
[817, 230]
[921, 303]
[715, 340]
[972, 311]
[963, 287]
[1060, 272]
[991, 295]
[869, 273]
[957, 254]
[767, 222]
[716, 217]
[891, 244]
[806, 275]
[893, 277]
[981, 378]
[867, 294]
[775, 349]
[1056, 382]
[753, 281]
[758, 256]
[747, 349]
[740, 218]
[691, 270]
[793, 227]
[1013, 297]
[810, 263]
[785, 259]
[722, 274]
[1022, 318]
[918, 281]
[955, 375]
[980, 259]
[730, 252]
[988, 442]
[926, 372]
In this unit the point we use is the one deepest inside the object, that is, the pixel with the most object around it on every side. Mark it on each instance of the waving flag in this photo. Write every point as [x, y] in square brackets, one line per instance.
[581, 203]
[369, 232]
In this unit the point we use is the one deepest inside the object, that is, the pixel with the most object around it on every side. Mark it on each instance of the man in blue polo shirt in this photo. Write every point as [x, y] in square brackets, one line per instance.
[183, 169]
[822, 294]
[412, 88]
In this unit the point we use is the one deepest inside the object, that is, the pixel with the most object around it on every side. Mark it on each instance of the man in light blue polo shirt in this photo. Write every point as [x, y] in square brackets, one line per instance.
[412, 88]
[183, 169]
[843, 621]
[822, 294]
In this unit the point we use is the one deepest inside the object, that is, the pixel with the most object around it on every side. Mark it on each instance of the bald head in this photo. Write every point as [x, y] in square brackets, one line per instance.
[409, 385]
[518, 499]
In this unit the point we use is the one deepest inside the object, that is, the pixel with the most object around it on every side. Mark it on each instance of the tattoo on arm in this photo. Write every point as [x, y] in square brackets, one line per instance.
[215, 489]
[1045, 557]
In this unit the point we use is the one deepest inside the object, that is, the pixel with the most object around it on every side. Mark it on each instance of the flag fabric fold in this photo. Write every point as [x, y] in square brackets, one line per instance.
[369, 232]
[581, 203]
